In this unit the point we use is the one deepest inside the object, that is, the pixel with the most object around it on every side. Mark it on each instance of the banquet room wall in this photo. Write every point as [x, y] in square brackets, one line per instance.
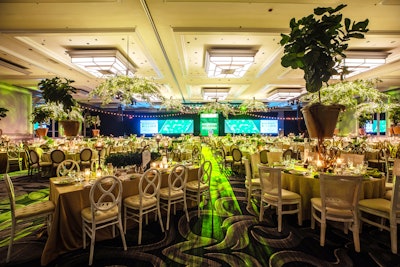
[130, 122]
[18, 101]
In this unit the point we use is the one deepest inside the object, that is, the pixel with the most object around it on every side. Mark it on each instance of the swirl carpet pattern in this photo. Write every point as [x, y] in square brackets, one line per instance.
[226, 234]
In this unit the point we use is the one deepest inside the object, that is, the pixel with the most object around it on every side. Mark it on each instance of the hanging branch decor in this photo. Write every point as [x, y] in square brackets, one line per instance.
[252, 105]
[127, 90]
[172, 104]
[359, 96]
[217, 107]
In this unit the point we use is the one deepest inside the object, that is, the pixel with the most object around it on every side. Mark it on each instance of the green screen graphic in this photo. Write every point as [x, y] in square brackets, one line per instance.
[209, 124]
[242, 126]
[166, 126]
[175, 126]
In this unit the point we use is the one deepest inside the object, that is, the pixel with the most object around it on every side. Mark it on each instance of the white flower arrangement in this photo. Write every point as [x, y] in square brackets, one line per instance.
[127, 90]
[252, 105]
[217, 107]
[171, 104]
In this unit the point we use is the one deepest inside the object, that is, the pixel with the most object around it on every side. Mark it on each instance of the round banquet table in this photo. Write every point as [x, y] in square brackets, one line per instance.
[308, 187]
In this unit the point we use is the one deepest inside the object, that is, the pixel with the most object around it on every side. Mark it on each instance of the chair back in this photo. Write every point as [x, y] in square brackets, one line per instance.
[340, 191]
[177, 178]
[204, 173]
[270, 181]
[233, 147]
[395, 200]
[255, 159]
[57, 156]
[263, 156]
[236, 155]
[176, 155]
[11, 195]
[86, 154]
[13, 151]
[195, 152]
[274, 157]
[395, 170]
[149, 184]
[287, 154]
[105, 194]
[33, 157]
[45, 147]
[247, 170]
[66, 167]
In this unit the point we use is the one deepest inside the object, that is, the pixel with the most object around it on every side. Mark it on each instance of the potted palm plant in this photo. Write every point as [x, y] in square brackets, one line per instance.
[95, 122]
[57, 94]
[316, 44]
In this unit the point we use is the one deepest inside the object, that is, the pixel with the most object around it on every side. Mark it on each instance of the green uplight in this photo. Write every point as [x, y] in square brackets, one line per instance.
[219, 187]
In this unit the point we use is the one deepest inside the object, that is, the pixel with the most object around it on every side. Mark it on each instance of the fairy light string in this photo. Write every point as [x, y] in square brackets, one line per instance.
[193, 111]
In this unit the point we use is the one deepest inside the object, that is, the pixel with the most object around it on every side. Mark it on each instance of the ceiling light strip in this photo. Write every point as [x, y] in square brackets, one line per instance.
[153, 25]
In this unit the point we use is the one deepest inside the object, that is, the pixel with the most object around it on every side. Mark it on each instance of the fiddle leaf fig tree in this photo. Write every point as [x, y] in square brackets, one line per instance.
[57, 90]
[59, 102]
[316, 43]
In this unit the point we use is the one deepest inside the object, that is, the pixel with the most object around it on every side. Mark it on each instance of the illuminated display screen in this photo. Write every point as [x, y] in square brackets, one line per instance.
[209, 124]
[373, 127]
[269, 126]
[148, 126]
[166, 126]
[251, 126]
[242, 126]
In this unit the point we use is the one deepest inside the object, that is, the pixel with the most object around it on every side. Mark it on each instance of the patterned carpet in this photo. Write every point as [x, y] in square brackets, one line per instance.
[226, 234]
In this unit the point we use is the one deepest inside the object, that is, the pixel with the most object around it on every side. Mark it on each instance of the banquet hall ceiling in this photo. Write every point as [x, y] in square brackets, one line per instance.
[168, 40]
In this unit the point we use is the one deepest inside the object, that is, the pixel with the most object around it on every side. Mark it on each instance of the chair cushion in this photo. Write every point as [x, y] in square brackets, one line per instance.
[228, 159]
[193, 185]
[380, 204]
[343, 213]
[286, 195]
[100, 215]
[134, 202]
[45, 164]
[34, 209]
[388, 194]
[254, 182]
[388, 186]
[174, 193]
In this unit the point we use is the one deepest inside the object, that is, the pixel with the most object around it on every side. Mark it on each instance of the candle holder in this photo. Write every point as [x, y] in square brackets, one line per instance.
[158, 139]
[99, 147]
